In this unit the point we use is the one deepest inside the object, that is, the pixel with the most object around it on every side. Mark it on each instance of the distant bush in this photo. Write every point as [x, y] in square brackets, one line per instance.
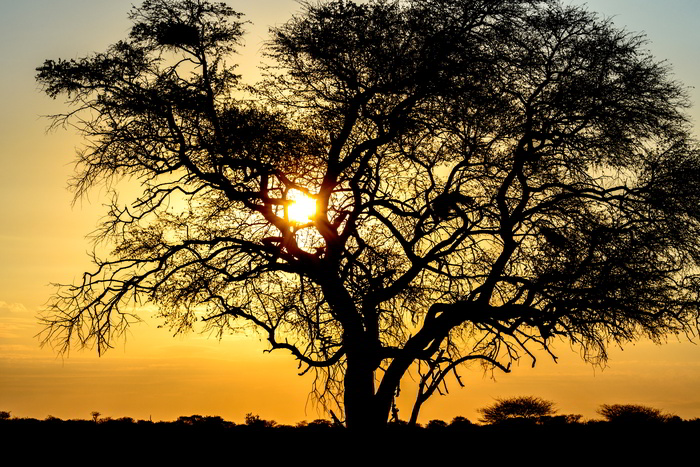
[124, 420]
[631, 413]
[203, 421]
[436, 425]
[5, 415]
[254, 421]
[460, 422]
[560, 419]
[320, 423]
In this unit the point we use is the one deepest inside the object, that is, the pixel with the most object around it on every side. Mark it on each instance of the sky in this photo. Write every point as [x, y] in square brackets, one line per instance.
[153, 374]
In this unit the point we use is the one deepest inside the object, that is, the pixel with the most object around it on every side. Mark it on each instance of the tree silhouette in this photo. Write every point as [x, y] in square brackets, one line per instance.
[488, 176]
[460, 422]
[528, 408]
[632, 414]
[256, 422]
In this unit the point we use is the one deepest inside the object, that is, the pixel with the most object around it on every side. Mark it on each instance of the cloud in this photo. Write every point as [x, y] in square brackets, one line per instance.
[16, 322]
[11, 308]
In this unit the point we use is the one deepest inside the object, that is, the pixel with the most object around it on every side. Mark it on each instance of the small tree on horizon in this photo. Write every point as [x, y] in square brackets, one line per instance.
[254, 421]
[460, 422]
[526, 408]
[632, 414]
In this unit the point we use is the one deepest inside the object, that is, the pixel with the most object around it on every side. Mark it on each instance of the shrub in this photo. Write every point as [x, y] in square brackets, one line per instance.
[460, 422]
[255, 421]
[436, 424]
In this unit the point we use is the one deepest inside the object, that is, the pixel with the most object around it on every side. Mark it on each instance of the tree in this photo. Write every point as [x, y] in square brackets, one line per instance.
[256, 422]
[632, 414]
[460, 422]
[488, 177]
[436, 425]
[528, 408]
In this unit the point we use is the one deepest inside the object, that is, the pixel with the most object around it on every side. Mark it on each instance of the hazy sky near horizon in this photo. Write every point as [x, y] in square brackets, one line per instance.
[42, 240]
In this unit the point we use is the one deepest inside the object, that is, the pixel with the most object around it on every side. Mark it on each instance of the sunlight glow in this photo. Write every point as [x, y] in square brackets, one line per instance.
[302, 207]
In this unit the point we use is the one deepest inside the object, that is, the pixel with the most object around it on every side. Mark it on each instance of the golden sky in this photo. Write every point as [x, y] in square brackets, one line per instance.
[42, 240]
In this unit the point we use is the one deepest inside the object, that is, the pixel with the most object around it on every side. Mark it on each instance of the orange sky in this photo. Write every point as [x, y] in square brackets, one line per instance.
[154, 374]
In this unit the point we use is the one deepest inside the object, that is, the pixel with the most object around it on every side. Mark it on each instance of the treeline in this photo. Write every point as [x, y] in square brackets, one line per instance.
[516, 411]
[618, 438]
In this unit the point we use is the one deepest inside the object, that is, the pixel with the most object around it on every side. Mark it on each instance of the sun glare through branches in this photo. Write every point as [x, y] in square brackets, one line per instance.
[302, 208]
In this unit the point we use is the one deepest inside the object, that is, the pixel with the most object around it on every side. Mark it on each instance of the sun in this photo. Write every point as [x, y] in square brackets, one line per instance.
[302, 207]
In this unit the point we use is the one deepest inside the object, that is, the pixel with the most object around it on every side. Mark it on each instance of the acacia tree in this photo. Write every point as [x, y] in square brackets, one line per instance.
[488, 176]
[517, 408]
[631, 413]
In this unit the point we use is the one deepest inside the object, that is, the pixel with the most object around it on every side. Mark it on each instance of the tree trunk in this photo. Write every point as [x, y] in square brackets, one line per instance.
[362, 410]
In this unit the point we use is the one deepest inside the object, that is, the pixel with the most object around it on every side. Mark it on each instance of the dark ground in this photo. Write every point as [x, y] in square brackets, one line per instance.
[205, 440]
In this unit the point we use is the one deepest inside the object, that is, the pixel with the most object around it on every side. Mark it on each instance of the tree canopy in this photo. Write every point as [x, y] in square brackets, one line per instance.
[489, 177]
[527, 408]
[633, 414]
